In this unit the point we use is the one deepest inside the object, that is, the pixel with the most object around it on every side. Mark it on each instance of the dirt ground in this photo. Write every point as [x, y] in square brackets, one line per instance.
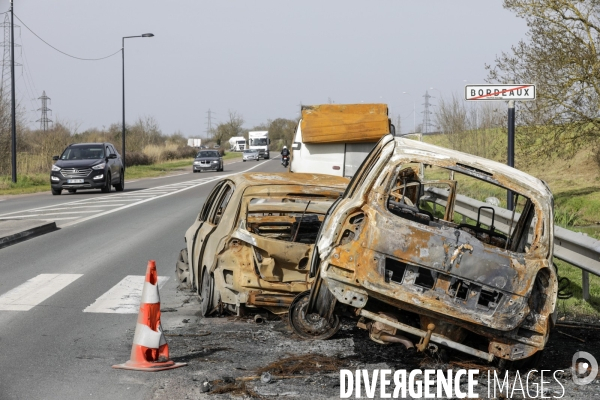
[228, 356]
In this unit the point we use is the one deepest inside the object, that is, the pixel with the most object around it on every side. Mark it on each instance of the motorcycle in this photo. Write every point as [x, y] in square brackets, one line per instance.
[285, 160]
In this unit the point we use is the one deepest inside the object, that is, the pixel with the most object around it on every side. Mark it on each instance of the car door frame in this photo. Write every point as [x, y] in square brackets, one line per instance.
[192, 232]
[205, 232]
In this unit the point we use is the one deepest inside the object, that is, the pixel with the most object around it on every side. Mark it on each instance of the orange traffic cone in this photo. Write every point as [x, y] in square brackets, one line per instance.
[150, 351]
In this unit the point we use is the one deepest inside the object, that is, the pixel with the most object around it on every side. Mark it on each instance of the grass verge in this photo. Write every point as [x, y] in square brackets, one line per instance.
[33, 183]
[576, 308]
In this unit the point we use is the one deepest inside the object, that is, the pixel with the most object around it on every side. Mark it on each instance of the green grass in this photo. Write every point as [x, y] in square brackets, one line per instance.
[576, 308]
[34, 183]
[25, 184]
[154, 170]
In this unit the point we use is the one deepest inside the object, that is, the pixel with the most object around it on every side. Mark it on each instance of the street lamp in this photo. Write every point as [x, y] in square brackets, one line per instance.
[123, 53]
[414, 119]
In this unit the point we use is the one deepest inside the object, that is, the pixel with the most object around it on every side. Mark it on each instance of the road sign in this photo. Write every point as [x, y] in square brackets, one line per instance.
[500, 92]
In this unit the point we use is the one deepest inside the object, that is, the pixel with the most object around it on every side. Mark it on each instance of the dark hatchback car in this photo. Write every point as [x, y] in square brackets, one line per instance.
[87, 166]
[208, 159]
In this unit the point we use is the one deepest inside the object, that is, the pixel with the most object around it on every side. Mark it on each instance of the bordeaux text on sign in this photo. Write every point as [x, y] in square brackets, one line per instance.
[500, 92]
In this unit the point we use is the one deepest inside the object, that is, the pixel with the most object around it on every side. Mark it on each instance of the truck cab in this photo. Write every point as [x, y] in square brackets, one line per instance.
[259, 141]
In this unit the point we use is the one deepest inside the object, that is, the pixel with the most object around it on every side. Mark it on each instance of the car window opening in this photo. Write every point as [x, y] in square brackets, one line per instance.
[287, 219]
[414, 199]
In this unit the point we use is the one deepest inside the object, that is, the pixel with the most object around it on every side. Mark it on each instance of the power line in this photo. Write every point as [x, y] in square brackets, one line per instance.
[62, 52]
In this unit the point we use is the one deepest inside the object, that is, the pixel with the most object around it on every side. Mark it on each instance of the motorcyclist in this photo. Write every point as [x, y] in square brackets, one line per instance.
[285, 155]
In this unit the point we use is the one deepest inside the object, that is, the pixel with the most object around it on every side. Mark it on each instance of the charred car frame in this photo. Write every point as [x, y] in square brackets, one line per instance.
[251, 242]
[397, 260]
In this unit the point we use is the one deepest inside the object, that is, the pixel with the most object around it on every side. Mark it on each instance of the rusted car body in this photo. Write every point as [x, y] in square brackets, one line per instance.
[400, 265]
[249, 245]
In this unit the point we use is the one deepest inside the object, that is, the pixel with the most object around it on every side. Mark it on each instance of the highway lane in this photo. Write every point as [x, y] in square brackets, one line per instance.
[51, 348]
[9, 205]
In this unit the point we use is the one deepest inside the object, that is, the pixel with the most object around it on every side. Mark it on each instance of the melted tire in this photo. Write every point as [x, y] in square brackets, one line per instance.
[182, 268]
[312, 326]
[207, 292]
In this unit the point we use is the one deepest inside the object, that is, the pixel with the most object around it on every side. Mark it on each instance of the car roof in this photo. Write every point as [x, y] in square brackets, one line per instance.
[286, 178]
[87, 144]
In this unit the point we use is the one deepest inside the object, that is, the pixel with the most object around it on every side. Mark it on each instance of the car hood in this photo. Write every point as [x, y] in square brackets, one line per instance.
[77, 163]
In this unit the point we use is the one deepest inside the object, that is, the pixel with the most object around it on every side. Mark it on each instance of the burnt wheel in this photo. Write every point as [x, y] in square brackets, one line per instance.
[208, 287]
[183, 269]
[310, 326]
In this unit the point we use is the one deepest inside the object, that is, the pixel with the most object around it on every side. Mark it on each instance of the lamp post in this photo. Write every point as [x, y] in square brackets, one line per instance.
[421, 169]
[13, 118]
[414, 119]
[123, 54]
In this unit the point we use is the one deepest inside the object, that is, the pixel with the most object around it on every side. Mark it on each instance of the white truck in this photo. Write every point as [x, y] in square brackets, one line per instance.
[334, 139]
[259, 140]
[237, 143]
[194, 142]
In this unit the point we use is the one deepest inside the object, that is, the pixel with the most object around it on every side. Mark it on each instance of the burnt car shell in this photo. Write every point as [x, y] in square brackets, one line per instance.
[375, 251]
[251, 242]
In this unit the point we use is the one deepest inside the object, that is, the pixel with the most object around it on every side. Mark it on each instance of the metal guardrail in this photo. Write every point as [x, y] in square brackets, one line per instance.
[573, 247]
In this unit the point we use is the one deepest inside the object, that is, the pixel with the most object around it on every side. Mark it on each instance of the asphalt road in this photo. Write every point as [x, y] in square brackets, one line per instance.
[49, 347]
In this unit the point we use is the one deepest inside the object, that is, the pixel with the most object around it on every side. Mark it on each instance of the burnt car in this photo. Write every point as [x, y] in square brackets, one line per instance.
[395, 254]
[251, 242]
[208, 160]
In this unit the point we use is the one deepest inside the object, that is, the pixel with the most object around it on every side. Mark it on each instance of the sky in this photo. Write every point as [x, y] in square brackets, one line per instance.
[261, 59]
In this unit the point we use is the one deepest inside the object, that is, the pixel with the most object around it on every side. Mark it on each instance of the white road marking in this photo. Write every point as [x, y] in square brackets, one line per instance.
[64, 208]
[35, 291]
[116, 202]
[170, 176]
[124, 297]
[156, 197]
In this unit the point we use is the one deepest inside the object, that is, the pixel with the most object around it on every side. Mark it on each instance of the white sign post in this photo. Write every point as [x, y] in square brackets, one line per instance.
[510, 92]
[500, 92]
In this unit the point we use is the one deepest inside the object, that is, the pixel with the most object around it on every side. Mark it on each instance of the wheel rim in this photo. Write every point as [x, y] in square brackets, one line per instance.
[207, 293]
[183, 268]
[311, 326]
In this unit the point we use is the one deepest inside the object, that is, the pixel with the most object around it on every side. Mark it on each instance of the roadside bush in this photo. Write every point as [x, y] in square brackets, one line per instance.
[596, 156]
[186, 152]
[137, 158]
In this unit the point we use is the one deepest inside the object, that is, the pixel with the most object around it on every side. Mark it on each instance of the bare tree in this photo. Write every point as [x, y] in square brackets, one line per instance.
[451, 118]
[226, 130]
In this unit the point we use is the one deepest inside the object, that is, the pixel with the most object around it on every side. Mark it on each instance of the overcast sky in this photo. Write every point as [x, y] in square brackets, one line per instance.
[261, 59]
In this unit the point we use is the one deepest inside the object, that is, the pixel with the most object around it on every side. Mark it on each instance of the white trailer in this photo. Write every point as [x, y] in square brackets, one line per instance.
[334, 139]
[237, 143]
[193, 142]
[259, 140]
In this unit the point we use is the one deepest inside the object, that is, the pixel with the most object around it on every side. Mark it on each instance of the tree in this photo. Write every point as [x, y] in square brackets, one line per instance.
[228, 129]
[281, 132]
[561, 58]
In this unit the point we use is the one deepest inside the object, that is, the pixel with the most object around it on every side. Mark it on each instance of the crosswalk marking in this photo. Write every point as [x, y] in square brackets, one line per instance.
[35, 291]
[124, 297]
